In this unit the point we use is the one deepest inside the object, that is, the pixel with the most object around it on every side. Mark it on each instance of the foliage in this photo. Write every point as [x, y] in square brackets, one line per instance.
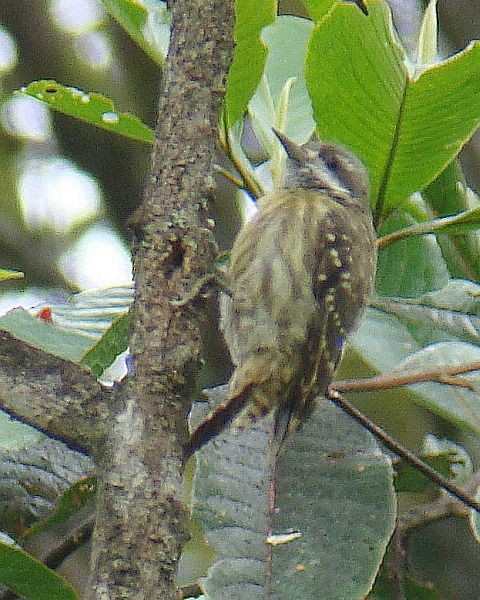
[89, 107]
[407, 122]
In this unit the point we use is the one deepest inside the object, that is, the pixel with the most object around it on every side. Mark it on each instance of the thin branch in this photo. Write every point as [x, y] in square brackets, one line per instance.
[442, 507]
[248, 181]
[394, 378]
[440, 225]
[229, 176]
[75, 540]
[403, 452]
[56, 543]
[395, 565]
[53, 395]
[396, 560]
[214, 424]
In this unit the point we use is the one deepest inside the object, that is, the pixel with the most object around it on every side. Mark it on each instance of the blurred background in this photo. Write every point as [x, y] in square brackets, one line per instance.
[67, 188]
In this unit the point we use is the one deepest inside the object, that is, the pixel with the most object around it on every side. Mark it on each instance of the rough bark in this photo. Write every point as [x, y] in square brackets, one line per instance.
[142, 516]
[53, 395]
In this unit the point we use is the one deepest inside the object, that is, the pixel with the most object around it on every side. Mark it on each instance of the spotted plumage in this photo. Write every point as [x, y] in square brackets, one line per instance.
[300, 274]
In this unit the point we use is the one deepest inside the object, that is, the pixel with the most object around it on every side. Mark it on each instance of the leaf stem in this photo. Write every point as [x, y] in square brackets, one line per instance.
[395, 378]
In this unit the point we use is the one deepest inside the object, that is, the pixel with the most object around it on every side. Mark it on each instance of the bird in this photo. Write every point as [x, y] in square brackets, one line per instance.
[300, 275]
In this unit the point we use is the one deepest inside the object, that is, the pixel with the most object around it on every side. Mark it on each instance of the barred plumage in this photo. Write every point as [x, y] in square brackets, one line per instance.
[300, 274]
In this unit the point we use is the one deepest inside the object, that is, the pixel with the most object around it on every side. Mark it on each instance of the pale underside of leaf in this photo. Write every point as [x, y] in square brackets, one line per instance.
[333, 485]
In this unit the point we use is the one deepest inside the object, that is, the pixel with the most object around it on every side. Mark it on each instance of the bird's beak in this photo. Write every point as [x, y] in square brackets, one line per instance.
[293, 150]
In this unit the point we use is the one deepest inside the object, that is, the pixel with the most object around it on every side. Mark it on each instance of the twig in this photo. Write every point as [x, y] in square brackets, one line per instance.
[248, 181]
[229, 176]
[395, 564]
[403, 452]
[439, 225]
[394, 379]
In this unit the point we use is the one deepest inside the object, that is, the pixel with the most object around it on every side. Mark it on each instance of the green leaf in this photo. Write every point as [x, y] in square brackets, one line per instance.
[427, 39]
[406, 129]
[429, 332]
[411, 266]
[440, 328]
[249, 55]
[114, 341]
[92, 108]
[69, 330]
[411, 480]
[333, 485]
[45, 336]
[379, 330]
[451, 313]
[71, 501]
[90, 313]
[147, 23]
[448, 195]
[461, 468]
[317, 9]
[413, 590]
[31, 579]
[446, 457]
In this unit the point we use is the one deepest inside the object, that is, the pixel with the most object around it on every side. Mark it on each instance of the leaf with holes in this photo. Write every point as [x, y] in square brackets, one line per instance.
[90, 107]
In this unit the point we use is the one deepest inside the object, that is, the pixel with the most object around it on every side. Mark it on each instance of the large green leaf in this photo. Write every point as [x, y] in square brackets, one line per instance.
[411, 266]
[380, 330]
[451, 313]
[74, 330]
[148, 24]
[406, 126]
[30, 578]
[439, 328]
[448, 195]
[45, 336]
[318, 8]
[249, 54]
[92, 108]
[333, 486]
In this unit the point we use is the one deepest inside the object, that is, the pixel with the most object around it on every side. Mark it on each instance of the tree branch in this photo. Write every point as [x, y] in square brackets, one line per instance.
[142, 516]
[51, 394]
[404, 453]
[395, 378]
